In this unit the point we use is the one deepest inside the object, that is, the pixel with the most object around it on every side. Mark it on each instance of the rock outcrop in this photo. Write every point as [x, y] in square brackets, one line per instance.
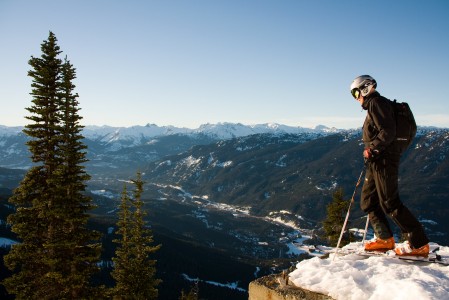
[277, 287]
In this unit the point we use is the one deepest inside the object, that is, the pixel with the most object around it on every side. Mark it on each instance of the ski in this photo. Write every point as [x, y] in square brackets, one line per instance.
[357, 249]
[433, 256]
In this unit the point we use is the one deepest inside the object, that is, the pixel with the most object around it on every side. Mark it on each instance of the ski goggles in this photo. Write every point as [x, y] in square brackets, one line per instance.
[355, 92]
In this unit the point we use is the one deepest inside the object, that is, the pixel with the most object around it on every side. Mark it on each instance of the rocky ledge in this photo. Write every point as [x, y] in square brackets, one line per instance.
[278, 287]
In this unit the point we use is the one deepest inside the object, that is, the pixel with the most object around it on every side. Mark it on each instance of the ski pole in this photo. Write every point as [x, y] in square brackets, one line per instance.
[366, 229]
[349, 209]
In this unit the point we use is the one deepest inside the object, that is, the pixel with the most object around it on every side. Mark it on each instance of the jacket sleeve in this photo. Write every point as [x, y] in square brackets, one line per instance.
[382, 115]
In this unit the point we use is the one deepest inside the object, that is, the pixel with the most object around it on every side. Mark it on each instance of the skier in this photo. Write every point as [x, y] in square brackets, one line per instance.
[380, 196]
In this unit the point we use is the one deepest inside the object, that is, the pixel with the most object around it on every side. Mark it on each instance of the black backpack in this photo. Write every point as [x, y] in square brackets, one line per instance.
[405, 124]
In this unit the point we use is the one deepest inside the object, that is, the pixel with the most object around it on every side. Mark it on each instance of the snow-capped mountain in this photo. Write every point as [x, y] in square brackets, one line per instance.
[108, 146]
[232, 130]
[219, 131]
[138, 134]
[134, 135]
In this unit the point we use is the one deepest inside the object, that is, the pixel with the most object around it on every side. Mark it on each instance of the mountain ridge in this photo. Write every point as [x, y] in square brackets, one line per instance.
[222, 130]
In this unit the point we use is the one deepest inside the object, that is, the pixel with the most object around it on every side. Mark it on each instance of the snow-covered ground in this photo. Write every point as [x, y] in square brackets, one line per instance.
[229, 285]
[353, 277]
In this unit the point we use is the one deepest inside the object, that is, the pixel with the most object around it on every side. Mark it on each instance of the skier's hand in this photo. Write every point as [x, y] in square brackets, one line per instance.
[370, 154]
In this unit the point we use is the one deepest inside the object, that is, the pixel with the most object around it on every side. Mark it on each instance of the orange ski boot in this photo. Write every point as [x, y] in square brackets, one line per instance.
[380, 245]
[407, 250]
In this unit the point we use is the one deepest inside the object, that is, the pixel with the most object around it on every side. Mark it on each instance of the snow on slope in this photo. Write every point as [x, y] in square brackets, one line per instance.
[375, 278]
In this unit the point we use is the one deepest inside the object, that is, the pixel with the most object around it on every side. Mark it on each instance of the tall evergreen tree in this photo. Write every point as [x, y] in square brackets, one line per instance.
[192, 295]
[57, 254]
[134, 270]
[123, 252]
[335, 218]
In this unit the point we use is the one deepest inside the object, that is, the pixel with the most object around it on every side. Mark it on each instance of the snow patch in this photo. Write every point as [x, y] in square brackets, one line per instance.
[223, 164]
[231, 285]
[104, 193]
[5, 242]
[190, 161]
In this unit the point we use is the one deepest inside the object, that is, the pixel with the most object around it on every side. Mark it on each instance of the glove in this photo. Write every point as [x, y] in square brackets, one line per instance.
[370, 154]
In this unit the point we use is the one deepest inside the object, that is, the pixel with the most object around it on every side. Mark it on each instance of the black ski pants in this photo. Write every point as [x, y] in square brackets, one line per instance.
[380, 197]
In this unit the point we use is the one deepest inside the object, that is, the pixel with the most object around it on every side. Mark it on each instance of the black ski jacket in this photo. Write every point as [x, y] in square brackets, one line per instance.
[379, 129]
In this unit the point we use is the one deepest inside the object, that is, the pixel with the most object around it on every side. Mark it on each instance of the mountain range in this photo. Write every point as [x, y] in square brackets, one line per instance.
[265, 167]
[124, 148]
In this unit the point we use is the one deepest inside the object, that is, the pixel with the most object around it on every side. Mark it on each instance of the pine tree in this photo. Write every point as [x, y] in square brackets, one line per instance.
[333, 223]
[123, 253]
[75, 247]
[134, 270]
[192, 295]
[57, 254]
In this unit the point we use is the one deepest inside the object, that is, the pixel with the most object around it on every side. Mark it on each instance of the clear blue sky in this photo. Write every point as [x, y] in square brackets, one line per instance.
[186, 63]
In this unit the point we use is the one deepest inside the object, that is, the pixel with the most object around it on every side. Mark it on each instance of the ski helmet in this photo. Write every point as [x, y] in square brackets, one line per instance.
[362, 85]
